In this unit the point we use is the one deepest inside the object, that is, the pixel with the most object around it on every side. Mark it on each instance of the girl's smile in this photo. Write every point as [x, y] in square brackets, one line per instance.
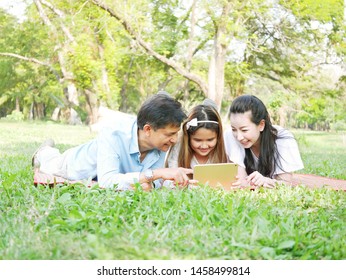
[203, 141]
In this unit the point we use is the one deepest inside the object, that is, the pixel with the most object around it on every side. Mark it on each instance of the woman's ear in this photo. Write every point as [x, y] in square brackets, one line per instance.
[262, 125]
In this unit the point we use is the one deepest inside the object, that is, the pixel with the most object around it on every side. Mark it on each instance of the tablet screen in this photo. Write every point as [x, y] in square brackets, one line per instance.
[216, 175]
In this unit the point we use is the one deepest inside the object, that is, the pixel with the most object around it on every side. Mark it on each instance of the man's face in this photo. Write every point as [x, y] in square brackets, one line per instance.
[163, 138]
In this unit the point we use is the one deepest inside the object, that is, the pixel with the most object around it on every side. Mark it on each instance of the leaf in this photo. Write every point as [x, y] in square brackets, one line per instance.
[64, 198]
[288, 244]
[267, 252]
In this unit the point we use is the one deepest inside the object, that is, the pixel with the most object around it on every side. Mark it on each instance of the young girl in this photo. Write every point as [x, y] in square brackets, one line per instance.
[201, 140]
[265, 153]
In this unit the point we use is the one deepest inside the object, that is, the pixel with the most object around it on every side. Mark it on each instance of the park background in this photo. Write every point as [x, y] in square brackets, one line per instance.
[65, 59]
[61, 62]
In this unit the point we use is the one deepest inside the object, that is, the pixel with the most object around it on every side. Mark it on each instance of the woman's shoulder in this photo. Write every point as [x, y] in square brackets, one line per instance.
[285, 139]
[283, 133]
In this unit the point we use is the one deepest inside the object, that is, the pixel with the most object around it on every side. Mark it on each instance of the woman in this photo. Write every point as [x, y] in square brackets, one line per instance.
[265, 153]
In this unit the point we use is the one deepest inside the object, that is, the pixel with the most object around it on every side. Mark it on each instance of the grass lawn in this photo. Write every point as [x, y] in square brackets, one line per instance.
[323, 153]
[76, 222]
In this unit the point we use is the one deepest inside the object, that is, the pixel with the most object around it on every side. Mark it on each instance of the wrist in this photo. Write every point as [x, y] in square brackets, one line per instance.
[148, 175]
[157, 174]
[272, 182]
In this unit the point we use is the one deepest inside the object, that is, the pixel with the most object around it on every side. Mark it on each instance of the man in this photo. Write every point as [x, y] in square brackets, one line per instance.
[133, 151]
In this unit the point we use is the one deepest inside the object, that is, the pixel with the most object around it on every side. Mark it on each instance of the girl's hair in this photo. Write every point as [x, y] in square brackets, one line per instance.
[200, 114]
[269, 155]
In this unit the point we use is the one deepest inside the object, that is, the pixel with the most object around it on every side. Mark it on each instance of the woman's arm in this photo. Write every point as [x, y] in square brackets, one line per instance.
[256, 179]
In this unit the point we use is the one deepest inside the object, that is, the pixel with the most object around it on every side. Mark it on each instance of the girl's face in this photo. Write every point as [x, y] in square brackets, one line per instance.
[203, 141]
[245, 131]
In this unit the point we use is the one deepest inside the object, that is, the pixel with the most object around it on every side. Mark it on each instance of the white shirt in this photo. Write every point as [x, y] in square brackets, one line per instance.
[287, 147]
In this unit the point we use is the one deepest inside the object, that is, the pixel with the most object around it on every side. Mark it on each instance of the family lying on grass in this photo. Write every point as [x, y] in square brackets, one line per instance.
[134, 150]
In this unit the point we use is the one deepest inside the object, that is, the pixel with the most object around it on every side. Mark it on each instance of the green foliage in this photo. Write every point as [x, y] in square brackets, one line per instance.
[339, 126]
[15, 116]
[323, 111]
[170, 29]
[324, 11]
[77, 222]
[84, 65]
[263, 41]
[321, 10]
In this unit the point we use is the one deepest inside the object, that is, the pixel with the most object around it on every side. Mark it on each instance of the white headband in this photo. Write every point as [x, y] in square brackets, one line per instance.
[195, 122]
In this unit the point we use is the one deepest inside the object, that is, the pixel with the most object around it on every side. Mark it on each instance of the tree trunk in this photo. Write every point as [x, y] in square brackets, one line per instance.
[92, 106]
[70, 90]
[104, 73]
[17, 105]
[190, 50]
[282, 116]
[123, 105]
[216, 75]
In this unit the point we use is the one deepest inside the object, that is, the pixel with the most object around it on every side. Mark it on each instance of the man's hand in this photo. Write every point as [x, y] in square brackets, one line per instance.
[178, 175]
[147, 187]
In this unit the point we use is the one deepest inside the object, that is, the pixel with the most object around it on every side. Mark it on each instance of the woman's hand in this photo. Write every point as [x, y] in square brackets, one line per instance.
[240, 183]
[256, 179]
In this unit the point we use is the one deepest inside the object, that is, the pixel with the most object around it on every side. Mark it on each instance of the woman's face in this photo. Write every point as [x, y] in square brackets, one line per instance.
[203, 141]
[245, 131]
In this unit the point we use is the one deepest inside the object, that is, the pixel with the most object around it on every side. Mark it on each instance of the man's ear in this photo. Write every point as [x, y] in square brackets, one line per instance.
[262, 125]
[147, 128]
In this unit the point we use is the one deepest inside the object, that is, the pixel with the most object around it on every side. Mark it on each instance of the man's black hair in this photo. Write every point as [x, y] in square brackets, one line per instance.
[159, 111]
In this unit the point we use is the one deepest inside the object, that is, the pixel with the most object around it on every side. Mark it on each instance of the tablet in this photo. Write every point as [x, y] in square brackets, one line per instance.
[216, 175]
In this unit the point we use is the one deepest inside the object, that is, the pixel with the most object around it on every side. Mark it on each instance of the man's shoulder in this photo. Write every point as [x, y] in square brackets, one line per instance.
[122, 128]
[123, 123]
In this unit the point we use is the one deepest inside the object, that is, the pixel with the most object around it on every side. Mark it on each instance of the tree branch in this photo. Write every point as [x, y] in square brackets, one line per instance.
[34, 60]
[174, 65]
[61, 15]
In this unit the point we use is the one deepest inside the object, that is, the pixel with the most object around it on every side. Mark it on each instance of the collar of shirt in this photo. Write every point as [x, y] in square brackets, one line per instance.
[151, 157]
[134, 139]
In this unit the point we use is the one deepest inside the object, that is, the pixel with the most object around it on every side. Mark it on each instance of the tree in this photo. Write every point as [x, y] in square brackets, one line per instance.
[122, 51]
[272, 45]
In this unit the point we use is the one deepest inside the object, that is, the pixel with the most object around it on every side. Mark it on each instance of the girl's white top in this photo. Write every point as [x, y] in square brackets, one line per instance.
[172, 157]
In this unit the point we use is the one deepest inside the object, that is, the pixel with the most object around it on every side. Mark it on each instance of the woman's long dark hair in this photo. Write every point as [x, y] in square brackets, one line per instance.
[268, 157]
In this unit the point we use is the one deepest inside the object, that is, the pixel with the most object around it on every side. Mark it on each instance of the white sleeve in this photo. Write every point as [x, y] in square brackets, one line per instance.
[172, 156]
[234, 151]
[290, 159]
